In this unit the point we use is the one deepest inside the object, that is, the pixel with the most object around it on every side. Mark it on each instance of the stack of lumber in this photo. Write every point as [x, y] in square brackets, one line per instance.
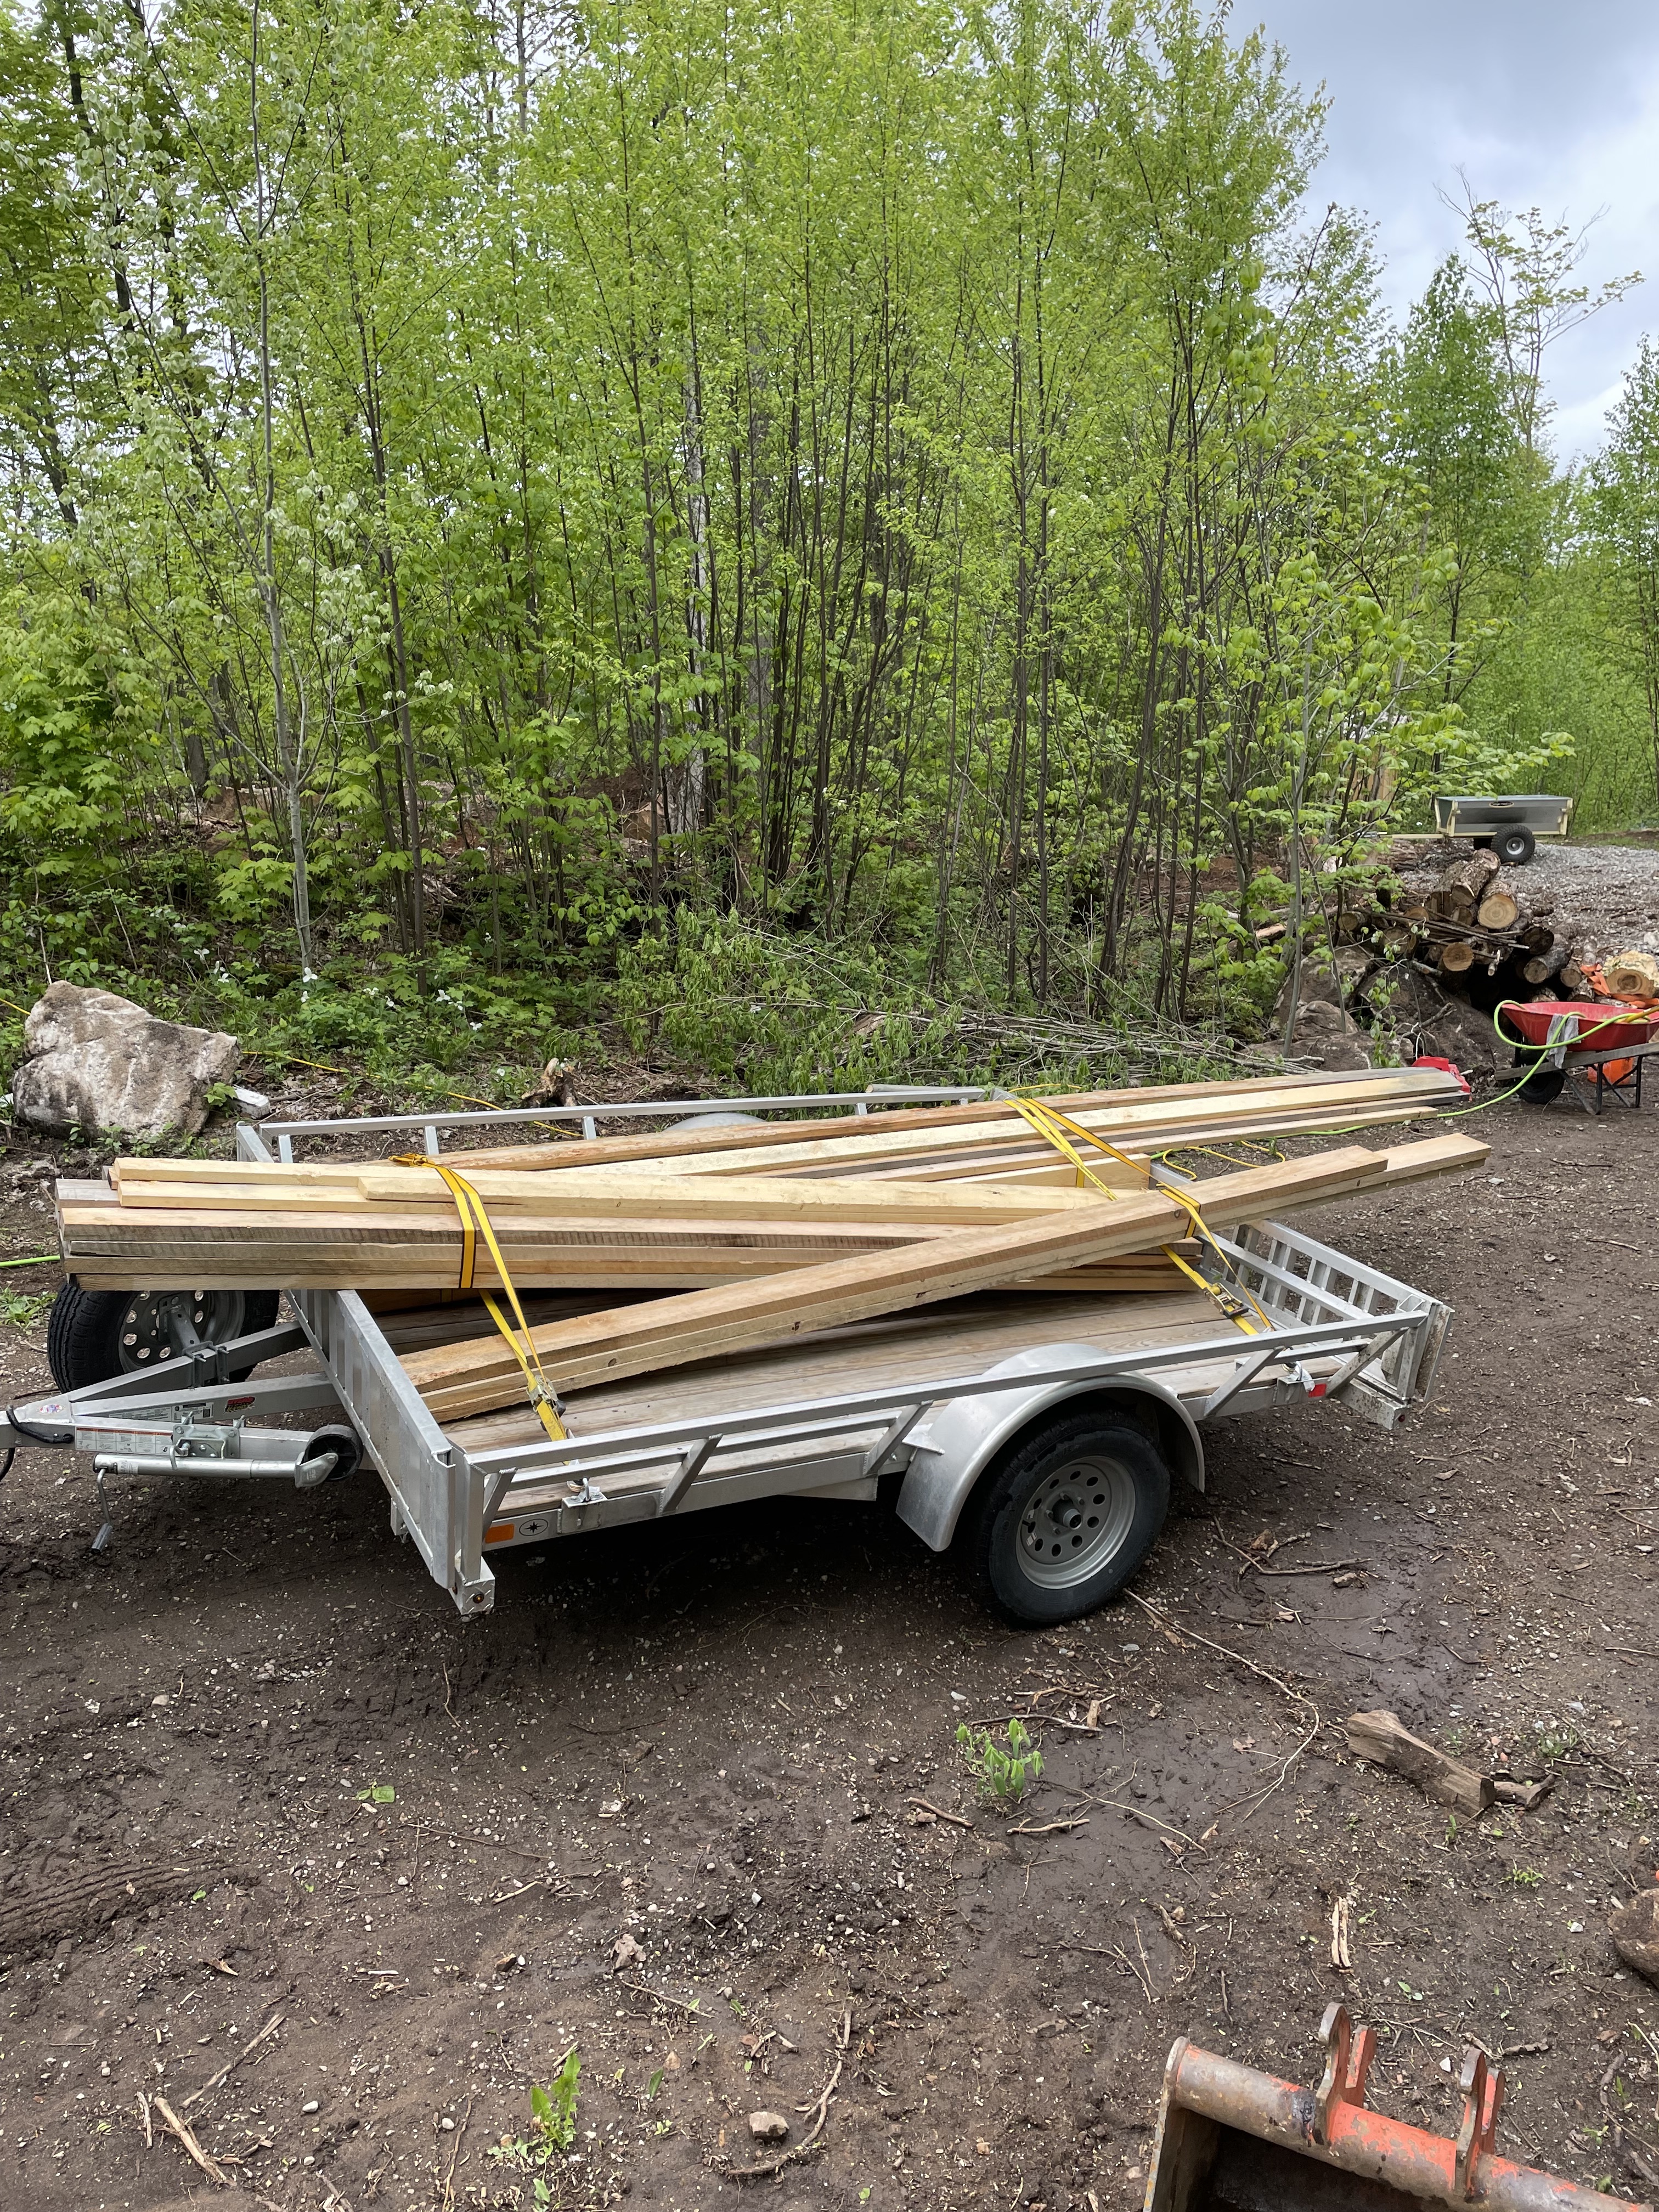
[1472, 919]
[456, 1381]
[683, 1210]
[770, 1229]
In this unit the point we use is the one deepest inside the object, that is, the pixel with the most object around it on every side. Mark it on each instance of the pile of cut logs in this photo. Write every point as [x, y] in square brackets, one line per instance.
[1472, 920]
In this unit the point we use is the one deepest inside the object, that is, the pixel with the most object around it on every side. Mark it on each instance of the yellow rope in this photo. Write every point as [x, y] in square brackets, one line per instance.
[475, 1223]
[1060, 1130]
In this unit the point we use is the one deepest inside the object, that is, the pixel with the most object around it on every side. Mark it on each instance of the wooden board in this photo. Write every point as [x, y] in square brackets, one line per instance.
[603, 1195]
[679, 1144]
[962, 1335]
[709, 1323]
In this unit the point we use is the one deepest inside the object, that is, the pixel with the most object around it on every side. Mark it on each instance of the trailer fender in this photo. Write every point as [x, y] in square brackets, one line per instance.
[950, 1452]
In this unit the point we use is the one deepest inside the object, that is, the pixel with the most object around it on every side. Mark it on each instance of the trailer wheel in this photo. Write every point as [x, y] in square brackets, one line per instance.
[1067, 1517]
[1515, 847]
[92, 1335]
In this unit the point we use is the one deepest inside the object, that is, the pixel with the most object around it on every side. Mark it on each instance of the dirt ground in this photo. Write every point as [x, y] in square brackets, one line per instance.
[339, 1876]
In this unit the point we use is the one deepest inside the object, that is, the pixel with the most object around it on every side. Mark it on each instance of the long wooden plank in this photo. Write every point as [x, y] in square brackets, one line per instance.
[604, 1193]
[1132, 1128]
[948, 1338]
[669, 1143]
[670, 1331]
[1289, 1103]
[1035, 1160]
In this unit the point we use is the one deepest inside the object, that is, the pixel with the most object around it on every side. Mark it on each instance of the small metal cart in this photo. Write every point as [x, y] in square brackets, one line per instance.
[1511, 827]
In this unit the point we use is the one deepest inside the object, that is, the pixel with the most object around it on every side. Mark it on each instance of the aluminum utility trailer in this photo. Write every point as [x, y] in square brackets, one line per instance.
[1063, 1418]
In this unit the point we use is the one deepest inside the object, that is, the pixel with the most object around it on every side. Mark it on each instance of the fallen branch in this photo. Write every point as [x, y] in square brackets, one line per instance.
[270, 2028]
[1050, 1827]
[767, 2167]
[455, 2152]
[185, 2137]
[926, 1805]
[1134, 1811]
[694, 2010]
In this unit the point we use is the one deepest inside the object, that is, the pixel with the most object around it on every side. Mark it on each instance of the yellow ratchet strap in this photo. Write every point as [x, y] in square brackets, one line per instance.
[475, 1223]
[1059, 1131]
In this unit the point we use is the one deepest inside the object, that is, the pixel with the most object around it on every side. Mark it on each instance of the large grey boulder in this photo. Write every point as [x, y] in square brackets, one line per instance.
[1322, 976]
[1403, 998]
[94, 1062]
[1322, 1032]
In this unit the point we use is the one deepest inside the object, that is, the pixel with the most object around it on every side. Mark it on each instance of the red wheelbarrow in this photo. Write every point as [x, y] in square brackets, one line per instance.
[1232, 2140]
[1608, 1041]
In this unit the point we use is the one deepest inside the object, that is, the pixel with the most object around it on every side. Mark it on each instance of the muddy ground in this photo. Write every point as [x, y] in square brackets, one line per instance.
[256, 1770]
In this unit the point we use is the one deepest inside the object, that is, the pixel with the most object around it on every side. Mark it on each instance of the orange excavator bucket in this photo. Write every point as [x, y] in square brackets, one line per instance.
[1232, 2140]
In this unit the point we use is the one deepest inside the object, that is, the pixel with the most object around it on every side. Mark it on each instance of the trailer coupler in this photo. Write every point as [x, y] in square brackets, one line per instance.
[1230, 2137]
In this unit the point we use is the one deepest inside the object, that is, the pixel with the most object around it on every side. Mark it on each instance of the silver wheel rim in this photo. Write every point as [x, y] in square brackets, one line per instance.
[159, 1326]
[1076, 1519]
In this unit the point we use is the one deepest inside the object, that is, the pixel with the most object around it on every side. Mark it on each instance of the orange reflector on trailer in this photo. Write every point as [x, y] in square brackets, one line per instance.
[500, 1532]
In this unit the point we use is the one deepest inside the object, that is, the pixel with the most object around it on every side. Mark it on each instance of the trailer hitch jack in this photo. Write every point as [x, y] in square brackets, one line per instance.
[1231, 2139]
[106, 1525]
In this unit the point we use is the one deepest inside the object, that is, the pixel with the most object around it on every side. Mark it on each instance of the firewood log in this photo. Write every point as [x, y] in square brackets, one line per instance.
[1469, 879]
[1498, 909]
[1544, 965]
[1381, 1738]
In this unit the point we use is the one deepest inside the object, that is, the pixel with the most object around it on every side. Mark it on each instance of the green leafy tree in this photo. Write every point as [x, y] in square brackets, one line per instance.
[1624, 512]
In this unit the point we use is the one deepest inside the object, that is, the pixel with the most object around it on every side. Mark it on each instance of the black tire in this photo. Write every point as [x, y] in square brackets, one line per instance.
[1544, 1085]
[85, 1329]
[1515, 847]
[1067, 1516]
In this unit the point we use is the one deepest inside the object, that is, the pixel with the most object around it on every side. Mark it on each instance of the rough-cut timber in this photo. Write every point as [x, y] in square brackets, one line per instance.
[735, 1138]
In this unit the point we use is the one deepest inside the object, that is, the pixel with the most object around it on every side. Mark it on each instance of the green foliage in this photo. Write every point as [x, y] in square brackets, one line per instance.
[1001, 1770]
[772, 533]
[554, 2109]
[552, 2135]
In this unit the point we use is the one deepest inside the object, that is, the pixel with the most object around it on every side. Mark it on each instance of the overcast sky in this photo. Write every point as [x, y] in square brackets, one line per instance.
[1551, 102]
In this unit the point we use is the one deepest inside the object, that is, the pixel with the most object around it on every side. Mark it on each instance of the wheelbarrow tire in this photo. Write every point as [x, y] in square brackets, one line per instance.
[1516, 847]
[1543, 1086]
[1067, 1515]
[85, 1328]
